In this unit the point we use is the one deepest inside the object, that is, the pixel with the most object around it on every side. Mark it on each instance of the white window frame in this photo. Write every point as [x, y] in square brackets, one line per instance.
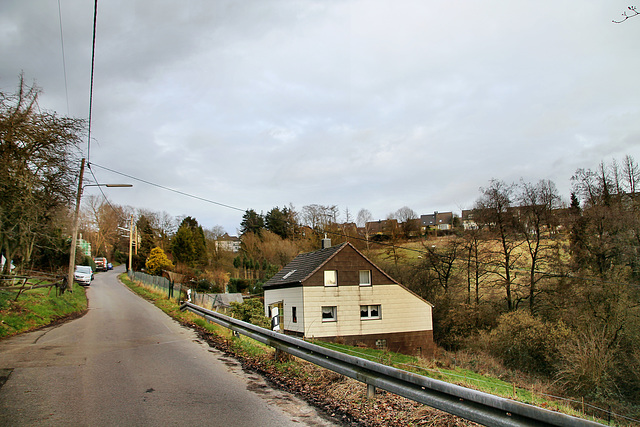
[368, 282]
[331, 278]
[334, 313]
[370, 308]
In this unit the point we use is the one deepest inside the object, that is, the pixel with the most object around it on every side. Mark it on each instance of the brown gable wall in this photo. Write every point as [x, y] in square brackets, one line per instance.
[348, 263]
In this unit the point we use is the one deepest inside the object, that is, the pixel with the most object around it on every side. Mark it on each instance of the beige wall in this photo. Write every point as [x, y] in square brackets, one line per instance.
[401, 311]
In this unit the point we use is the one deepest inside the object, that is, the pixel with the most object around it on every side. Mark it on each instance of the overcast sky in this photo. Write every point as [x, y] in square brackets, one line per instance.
[361, 104]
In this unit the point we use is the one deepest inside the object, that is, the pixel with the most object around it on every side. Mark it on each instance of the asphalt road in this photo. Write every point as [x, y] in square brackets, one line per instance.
[126, 363]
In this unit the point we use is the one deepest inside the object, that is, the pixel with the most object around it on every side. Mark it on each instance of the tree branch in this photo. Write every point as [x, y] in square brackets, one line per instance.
[633, 10]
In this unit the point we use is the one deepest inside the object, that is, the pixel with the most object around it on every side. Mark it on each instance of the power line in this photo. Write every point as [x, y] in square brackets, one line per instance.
[169, 189]
[93, 61]
[104, 195]
[64, 65]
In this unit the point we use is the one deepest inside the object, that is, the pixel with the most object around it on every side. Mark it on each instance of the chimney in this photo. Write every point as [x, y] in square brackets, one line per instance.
[326, 242]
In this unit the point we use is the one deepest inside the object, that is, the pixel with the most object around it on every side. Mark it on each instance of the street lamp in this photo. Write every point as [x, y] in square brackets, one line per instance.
[74, 237]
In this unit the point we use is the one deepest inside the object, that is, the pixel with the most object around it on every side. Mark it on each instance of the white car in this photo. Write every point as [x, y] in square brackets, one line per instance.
[83, 274]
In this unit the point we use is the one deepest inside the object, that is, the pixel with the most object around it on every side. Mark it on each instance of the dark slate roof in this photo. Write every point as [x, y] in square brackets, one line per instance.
[302, 267]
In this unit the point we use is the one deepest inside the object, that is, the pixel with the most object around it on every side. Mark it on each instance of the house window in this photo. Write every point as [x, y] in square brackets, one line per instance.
[331, 278]
[329, 314]
[369, 312]
[294, 315]
[365, 277]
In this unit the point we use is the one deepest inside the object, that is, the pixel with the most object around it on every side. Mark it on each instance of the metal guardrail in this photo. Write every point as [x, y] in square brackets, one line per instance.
[467, 403]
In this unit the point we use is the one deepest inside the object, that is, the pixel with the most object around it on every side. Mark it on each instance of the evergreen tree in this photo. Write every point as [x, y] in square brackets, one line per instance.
[182, 246]
[251, 223]
[276, 222]
[147, 236]
[188, 245]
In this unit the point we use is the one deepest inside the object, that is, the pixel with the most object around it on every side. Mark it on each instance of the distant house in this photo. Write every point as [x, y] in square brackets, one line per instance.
[84, 246]
[228, 243]
[383, 227]
[468, 220]
[336, 294]
[438, 220]
[349, 229]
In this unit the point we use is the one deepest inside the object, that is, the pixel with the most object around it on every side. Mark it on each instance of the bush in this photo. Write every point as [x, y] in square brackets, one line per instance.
[87, 260]
[589, 365]
[252, 311]
[203, 285]
[120, 257]
[238, 285]
[454, 322]
[527, 343]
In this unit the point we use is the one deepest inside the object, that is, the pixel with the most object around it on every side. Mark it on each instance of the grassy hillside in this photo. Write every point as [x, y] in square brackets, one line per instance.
[37, 308]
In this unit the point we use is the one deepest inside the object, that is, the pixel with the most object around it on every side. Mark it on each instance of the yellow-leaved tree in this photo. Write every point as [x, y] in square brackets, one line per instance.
[157, 262]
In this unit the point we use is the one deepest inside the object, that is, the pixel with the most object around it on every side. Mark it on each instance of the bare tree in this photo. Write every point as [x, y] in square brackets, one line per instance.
[104, 220]
[211, 236]
[536, 226]
[475, 263]
[392, 232]
[442, 260]
[364, 216]
[166, 227]
[494, 211]
[408, 219]
[585, 185]
[320, 217]
[631, 172]
[37, 151]
[363, 219]
[347, 215]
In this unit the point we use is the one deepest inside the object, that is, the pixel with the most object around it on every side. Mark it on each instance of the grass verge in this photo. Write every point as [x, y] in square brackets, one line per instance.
[37, 308]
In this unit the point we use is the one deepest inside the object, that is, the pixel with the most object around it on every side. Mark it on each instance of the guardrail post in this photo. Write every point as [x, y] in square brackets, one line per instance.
[371, 391]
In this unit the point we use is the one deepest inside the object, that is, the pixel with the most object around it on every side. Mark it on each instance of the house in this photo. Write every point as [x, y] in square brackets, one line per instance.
[336, 294]
[84, 246]
[381, 229]
[228, 243]
[468, 220]
[438, 220]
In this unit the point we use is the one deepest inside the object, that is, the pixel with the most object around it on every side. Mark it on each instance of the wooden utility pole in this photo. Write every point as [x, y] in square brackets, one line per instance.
[130, 243]
[74, 236]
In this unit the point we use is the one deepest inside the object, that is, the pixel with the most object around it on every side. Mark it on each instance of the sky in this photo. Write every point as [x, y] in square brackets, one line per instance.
[368, 104]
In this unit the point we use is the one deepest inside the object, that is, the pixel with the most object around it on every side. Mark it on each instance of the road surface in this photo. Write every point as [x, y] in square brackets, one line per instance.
[126, 363]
